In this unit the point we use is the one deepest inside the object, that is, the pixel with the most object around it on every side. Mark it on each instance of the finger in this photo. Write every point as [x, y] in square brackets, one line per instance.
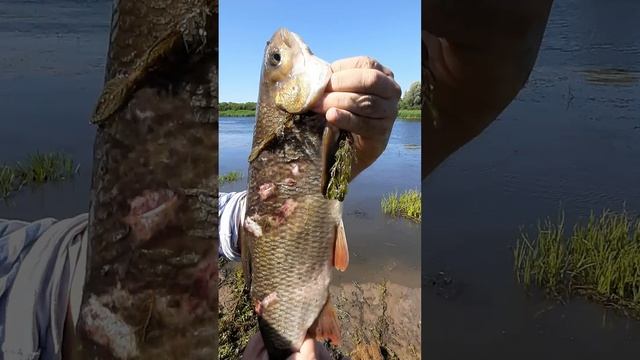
[307, 351]
[360, 62]
[255, 349]
[360, 125]
[364, 81]
[359, 104]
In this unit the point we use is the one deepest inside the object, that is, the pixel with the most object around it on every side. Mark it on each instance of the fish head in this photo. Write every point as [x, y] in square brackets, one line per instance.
[293, 76]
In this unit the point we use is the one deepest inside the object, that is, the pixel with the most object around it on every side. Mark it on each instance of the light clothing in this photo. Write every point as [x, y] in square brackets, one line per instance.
[42, 271]
[39, 262]
[231, 210]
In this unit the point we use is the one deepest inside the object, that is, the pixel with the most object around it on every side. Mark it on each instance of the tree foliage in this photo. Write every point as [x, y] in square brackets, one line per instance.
[412, 97]
[223, 106]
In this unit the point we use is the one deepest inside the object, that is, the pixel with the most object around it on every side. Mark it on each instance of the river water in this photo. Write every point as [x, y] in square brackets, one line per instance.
[571, 140]
[380, 247]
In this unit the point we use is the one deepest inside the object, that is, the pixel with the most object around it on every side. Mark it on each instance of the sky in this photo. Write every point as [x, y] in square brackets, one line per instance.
[387, 31]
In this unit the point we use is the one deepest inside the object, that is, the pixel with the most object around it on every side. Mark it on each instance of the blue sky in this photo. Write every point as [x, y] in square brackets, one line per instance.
[387, 31]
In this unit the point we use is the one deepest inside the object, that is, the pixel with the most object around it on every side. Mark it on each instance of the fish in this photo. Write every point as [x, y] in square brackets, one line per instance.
[293, 235]
[152, 271]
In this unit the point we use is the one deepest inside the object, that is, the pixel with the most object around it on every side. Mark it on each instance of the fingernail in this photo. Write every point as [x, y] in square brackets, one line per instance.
[332, 115]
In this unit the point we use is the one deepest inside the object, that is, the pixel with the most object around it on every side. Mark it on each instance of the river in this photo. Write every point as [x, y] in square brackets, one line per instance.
[380, 247]
[570, 140]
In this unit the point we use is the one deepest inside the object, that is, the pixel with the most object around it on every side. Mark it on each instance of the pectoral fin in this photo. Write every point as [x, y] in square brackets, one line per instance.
[329, 148]
[341, 251]
[256, 150]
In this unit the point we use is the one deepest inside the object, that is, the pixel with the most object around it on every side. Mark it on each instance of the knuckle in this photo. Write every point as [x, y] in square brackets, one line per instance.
[373, 79]
[373, 63]
[397, 91]
[367, 62]
[366, 104]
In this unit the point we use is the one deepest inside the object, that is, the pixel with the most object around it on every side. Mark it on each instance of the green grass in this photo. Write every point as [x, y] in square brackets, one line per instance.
[8, 181]
[238, 322]
[407, 204]
[599, 260]
[410, 114]
[237, 113]
[229, 177]
[39, 168]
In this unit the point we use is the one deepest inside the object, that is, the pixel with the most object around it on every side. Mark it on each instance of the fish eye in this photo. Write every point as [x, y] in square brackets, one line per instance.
[275, 59]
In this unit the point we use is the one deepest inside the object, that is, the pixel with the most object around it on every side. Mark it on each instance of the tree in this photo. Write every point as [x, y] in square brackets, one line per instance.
[411, 98]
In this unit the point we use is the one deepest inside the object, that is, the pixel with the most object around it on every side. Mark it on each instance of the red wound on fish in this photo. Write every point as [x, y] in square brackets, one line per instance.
[289, 182]
[287, 208]
[205, 279]
[295, 169]
[257, 306]
[260, 306]
[341, 251]
[326, 326]
[151, 212]
[266, 191]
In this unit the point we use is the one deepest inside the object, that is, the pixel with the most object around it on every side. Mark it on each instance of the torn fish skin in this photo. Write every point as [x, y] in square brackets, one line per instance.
[151, 288]
[290, 229]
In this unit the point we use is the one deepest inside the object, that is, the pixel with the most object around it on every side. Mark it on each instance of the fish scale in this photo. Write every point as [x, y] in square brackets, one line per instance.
[288, 258]
[290, 228]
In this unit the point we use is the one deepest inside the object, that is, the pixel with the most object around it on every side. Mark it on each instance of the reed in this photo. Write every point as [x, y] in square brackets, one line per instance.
[229, 177]
[599, 260]
[39, 168]
[408, 204]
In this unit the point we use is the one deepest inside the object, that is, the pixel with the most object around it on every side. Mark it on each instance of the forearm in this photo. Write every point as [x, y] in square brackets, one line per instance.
[478, 55]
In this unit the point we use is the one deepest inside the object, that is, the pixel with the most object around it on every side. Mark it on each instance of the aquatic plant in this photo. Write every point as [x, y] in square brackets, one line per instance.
[8, 181]
[600, 260]
[340, 172]
[407, 204]
[39, 168]
[229, 177]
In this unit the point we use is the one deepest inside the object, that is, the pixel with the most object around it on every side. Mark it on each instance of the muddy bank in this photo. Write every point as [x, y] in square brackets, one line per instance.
[379, 320]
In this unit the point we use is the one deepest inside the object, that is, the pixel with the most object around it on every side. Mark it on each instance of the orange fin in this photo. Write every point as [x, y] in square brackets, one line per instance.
[341, 251]
[326, 326]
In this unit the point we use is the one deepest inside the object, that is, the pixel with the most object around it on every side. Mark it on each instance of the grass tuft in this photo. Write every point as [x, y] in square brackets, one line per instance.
[229, 177]
[600, 260]
[408, 205]
[39, 168]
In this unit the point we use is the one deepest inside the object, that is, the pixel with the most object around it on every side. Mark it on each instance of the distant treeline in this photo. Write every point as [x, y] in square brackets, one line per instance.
[226, 106]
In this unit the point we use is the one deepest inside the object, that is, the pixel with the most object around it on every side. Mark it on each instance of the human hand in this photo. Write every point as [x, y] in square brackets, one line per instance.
[362, 98]
[310, 350]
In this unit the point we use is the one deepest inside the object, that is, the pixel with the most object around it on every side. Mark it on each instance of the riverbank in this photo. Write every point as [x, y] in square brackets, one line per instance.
[237, 113]
[410, 114]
